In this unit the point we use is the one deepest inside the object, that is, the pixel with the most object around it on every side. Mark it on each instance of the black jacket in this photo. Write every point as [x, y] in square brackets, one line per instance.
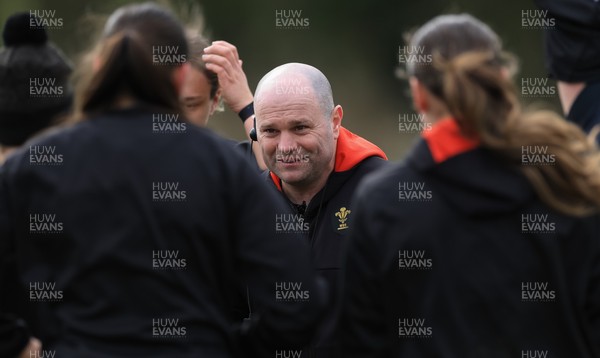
[130, 241]
[571, 39]
[326, 223]
[453, 255]
[585, 111]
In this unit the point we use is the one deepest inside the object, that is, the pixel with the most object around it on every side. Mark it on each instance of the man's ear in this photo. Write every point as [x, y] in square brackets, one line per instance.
[179, 75]
[336, 120]
[420, 96]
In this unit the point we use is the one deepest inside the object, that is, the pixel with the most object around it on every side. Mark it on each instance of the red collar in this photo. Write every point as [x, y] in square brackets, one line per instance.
[445, 140]
[276, 180]
[350, 151]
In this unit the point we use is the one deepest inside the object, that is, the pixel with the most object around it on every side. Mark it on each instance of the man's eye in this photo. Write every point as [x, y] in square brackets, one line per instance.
[269, 130]
[299, 128]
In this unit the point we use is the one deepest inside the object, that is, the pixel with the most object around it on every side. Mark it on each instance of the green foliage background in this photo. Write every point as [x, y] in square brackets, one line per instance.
[355, 43]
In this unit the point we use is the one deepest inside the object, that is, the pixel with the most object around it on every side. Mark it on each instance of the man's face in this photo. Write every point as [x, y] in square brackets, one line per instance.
[297, 139]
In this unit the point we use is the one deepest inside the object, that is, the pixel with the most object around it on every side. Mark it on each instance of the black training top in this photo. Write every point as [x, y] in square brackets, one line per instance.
[453, 255]
[134, 239]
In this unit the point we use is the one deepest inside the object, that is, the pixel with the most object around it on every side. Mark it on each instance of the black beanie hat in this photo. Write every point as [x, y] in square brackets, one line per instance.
[33, 81]
[572, 46]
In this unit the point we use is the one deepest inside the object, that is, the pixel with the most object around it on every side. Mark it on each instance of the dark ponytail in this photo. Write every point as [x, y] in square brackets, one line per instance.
[125, 60]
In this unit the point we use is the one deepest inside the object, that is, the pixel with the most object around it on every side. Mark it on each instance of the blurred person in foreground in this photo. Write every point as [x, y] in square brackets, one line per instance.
[485, 242]
[572, 54]
[315, 164]
[131, 228]
[34, 89]
[34, 94]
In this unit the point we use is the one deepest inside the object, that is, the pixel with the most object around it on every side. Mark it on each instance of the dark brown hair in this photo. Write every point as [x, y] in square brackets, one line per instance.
[126, 62]
[197, 45]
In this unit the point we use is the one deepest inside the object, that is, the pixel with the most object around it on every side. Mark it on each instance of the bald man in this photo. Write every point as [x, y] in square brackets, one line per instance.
[316, 164]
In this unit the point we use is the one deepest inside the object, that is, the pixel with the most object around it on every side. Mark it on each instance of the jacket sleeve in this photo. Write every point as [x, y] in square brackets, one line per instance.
[14, 334]
[363, 331]
[593, 297]
[269, 257]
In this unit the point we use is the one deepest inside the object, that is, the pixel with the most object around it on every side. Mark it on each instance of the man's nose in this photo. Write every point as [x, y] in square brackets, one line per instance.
[286, 141]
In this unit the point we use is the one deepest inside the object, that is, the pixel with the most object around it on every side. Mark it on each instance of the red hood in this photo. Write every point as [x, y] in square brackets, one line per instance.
[445, 140]
[350, 150]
